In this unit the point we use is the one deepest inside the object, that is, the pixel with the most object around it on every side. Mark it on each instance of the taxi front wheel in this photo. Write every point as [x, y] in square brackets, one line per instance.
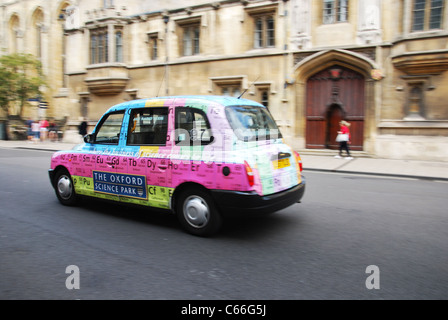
[197, 213]
[65, 190]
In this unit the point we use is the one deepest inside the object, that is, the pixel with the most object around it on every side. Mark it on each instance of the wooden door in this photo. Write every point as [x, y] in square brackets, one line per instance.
[334, 116]
[334, 94]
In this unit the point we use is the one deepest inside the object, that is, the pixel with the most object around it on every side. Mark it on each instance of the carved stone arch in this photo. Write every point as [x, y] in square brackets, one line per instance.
[37, 29]
[14, 32]
[321, 98]
[321, 60]
[37, 15]
[61, 10]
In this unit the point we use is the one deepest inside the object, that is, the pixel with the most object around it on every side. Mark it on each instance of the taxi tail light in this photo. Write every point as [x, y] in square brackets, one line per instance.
[249, 173]
[299, 160]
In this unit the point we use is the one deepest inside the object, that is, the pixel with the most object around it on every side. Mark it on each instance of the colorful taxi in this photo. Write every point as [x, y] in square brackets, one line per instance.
[199, 157]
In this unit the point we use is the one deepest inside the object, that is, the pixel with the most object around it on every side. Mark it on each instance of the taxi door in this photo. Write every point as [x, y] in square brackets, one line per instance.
[146, 152]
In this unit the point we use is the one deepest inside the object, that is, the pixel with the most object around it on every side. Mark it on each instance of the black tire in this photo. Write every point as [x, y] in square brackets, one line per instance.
[197, 212]
[64, 188]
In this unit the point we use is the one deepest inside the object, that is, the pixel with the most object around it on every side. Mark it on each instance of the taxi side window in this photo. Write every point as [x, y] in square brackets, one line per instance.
[148, 126]
[192, 127]
[109, 129]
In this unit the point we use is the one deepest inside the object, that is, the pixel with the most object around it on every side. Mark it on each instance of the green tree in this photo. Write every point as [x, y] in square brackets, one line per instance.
[21, 79]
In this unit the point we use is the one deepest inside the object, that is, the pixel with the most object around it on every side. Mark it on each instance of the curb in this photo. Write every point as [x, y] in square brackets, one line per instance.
[390, 175]
[36, 149]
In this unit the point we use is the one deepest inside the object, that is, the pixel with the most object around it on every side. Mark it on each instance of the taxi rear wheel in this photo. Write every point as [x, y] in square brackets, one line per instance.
[64, 188]
[197, 212]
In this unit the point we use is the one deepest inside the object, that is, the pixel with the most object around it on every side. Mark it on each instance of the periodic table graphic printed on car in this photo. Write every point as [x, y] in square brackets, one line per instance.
[200, 157]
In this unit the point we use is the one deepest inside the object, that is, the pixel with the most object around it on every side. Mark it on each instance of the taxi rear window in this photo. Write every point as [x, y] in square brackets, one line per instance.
[252, 123]
[192, 127]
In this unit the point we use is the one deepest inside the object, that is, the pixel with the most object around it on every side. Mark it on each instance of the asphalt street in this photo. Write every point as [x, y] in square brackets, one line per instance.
[319, 249]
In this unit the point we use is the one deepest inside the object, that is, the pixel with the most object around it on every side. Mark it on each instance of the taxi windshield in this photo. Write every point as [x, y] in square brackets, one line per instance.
[252, 123]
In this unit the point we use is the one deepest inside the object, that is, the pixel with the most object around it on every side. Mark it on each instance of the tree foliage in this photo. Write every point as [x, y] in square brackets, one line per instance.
[21, 79]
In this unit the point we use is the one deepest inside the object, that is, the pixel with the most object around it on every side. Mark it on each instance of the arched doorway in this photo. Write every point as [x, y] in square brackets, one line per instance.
[333, 94]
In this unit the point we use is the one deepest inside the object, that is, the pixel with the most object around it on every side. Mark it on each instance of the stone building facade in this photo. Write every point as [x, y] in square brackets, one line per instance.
[381, 65]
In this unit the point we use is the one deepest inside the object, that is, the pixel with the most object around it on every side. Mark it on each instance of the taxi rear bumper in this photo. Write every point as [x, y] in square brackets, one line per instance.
[238, 202]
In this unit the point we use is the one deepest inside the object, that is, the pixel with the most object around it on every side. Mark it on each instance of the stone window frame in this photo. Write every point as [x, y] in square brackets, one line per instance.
[119, 47]
[218, 84]
[99, 40]
[265, 15]
[153, 45]
[106, 32]
[192, 26]
[264, 31]
[424, 15]
[263, 89]
[415, 105]
[335, 11]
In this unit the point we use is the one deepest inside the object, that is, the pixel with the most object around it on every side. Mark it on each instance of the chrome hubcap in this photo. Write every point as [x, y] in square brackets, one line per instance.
[196, 211]
[65, 187]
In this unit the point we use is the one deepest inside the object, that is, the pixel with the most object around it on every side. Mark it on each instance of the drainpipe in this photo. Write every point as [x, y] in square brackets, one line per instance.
[285, 48]
[166, 19]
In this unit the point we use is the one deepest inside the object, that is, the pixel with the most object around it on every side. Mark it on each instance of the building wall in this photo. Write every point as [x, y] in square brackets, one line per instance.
[227, 56]
[377, 36]
[405, 115]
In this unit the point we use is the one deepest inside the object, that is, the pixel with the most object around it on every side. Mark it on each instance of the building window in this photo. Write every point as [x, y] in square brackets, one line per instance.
[335, 11]
[262, 92]
[108, 3]
[427, 15]
[435, 18]
[265, 98]
[231, 91]
[264, 34]
[118, 46]
[99, 46]
[415, 105]
[191, 40]
[153, 47]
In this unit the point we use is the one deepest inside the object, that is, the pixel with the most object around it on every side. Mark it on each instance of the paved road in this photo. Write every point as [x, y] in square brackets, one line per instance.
[318, 249]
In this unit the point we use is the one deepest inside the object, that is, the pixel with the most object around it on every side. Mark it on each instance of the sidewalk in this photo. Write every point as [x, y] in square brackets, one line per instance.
[312, 161]
[428, 170]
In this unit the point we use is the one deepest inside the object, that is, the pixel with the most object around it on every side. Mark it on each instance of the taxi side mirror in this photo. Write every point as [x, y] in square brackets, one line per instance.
[89, 138]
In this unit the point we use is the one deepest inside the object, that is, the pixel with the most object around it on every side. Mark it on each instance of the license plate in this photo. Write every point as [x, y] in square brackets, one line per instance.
[281, 163]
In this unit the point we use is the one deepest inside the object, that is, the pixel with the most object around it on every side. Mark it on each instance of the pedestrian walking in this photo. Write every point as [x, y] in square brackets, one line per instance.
[53, 131]
[29, 131]
[344, 139]
[35, 129]
[43, 129]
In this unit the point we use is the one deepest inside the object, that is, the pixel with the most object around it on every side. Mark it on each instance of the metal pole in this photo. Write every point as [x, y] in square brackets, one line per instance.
[166, 19]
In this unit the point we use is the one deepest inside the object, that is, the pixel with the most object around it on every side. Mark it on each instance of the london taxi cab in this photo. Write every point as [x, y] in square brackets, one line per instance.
[199, 157]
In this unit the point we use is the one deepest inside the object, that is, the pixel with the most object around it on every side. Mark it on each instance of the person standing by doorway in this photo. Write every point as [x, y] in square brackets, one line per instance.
[344, 139]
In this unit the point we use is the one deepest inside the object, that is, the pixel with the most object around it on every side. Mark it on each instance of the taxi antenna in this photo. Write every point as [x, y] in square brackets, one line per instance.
[248, 87]
[161, 83]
